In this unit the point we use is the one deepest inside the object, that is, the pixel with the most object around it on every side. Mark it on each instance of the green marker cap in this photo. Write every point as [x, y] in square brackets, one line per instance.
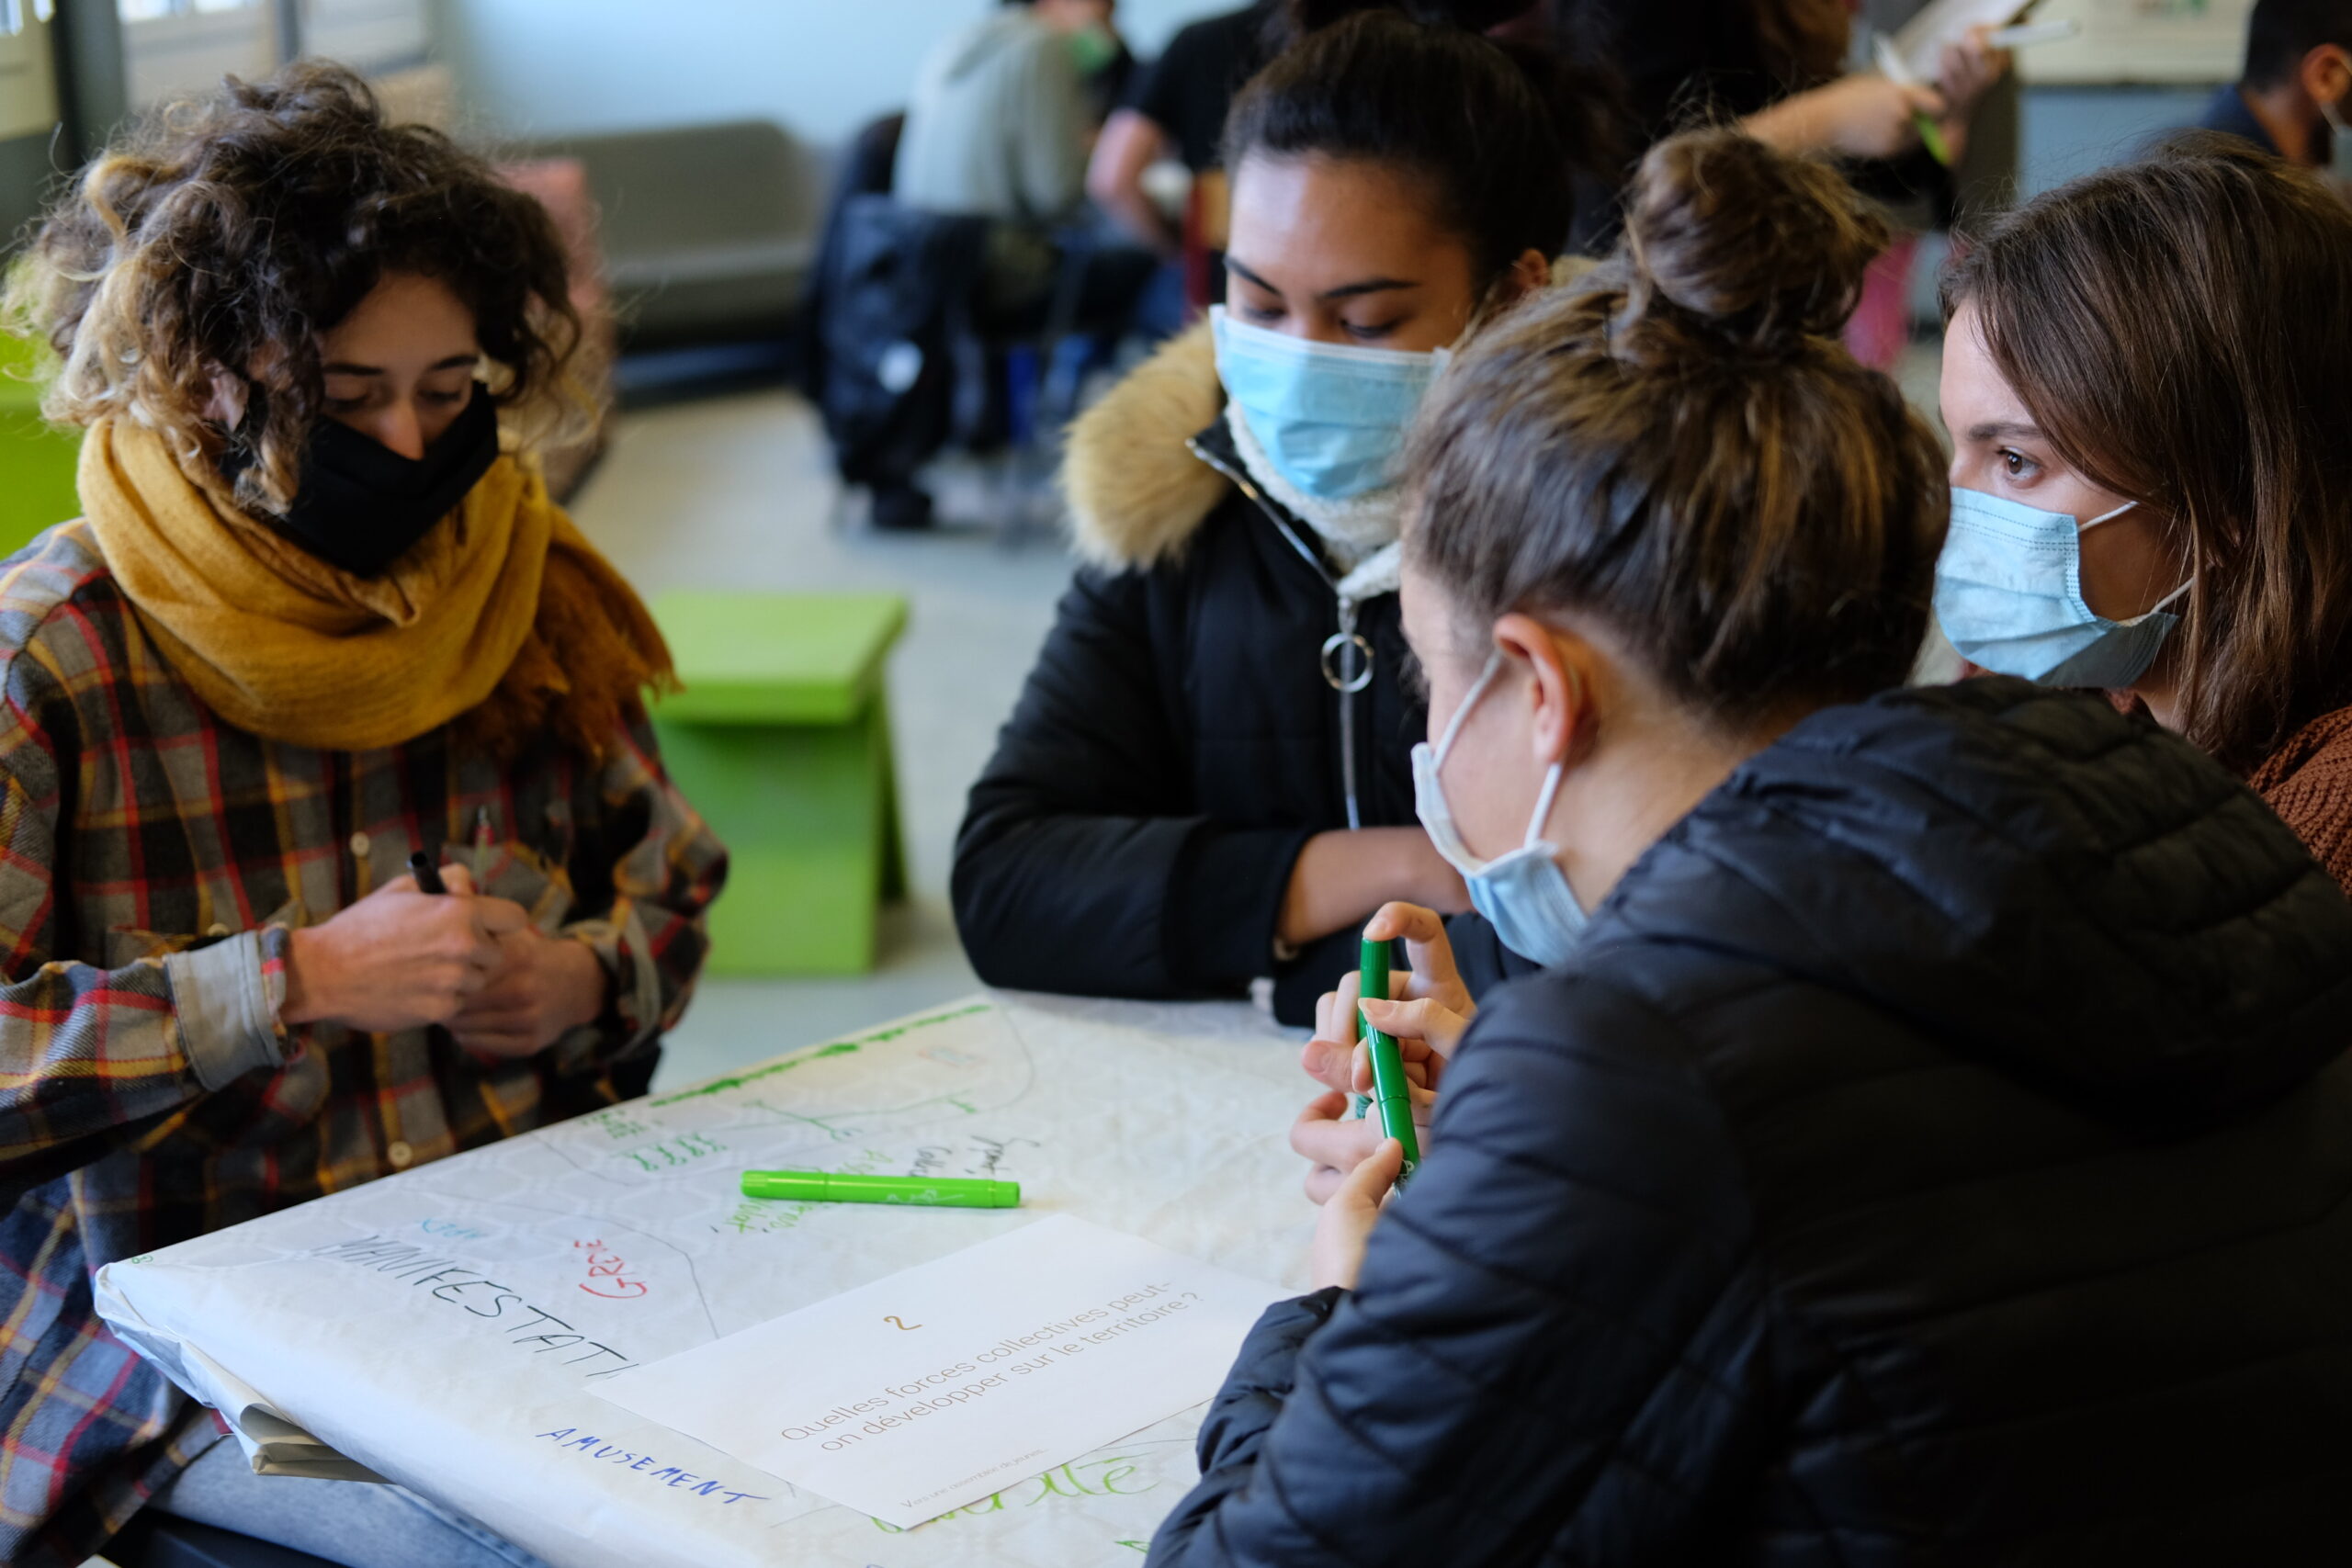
[928, 1191]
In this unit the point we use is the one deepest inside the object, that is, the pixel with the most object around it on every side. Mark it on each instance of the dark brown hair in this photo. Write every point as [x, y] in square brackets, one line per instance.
[1679, 447]
[2180, 328]
[1801, 42]
[214, 241]
[1496, 134]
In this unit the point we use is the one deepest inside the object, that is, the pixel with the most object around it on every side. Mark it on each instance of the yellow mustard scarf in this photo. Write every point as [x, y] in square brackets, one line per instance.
[504, 614]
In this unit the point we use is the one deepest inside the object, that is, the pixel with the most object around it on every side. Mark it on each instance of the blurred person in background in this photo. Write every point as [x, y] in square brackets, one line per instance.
[1178, 107]
[1000, 126]
[2294, 97]
[1177, 111]
[1779, 68]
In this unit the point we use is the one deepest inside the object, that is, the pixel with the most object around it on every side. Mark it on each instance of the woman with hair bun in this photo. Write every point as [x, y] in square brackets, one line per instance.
[1926, 1143]
[1206, 781]
[320, 616]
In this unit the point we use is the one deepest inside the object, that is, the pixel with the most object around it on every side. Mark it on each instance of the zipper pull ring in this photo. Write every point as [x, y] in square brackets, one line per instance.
[1347, 661]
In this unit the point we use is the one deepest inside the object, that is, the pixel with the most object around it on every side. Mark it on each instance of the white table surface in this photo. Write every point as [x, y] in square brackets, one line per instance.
[466, 1369]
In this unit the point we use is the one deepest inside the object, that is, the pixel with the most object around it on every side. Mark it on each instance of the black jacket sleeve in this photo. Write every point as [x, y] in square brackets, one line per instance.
[1254, 1391]
[1083, 865]
[1545, 1344]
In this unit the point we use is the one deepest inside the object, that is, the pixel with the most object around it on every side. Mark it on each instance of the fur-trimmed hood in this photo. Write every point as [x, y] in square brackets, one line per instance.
[1136, 491]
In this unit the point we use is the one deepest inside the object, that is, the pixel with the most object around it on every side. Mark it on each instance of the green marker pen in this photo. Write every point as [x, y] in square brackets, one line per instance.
[931, 1191]
[1931, 137]
[1391, 1091]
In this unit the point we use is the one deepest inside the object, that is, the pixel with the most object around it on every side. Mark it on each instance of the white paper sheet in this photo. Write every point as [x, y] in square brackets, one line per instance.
[447, 1327]
[930, 1389]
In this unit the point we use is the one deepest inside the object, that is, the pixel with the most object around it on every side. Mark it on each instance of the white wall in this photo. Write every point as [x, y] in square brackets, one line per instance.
[537, 68]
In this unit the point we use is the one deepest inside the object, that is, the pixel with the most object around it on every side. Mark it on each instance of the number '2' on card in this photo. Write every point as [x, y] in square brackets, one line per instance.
[930, 1389]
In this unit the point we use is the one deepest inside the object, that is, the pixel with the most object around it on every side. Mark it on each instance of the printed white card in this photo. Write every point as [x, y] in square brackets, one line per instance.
[930, 1389]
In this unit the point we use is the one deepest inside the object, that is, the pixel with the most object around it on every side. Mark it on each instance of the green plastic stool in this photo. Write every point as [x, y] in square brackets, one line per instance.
[781, 738]
[36, 461]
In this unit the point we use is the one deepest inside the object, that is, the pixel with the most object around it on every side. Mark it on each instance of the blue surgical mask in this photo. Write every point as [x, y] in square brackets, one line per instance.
[2009, 596]
[1524, 893]
[1331, 417]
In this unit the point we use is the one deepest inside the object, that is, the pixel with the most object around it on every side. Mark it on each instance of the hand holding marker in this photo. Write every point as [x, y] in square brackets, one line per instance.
[1891, 65]
[1391, 1091]
[1895, 69]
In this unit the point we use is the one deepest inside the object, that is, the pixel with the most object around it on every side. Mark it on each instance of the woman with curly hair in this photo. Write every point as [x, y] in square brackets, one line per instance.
[319, 616]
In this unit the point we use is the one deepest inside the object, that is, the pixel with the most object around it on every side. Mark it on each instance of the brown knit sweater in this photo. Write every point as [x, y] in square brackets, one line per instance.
[2308, 781]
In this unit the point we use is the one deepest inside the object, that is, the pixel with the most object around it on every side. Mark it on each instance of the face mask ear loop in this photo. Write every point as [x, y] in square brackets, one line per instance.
[1470, 700]
[1544, 805]
[1552, 779]
[2185, 587]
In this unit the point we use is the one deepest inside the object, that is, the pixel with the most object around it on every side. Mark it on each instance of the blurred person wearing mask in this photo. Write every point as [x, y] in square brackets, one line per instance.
[319, 615]
[1926, 1141]
[1207, 780]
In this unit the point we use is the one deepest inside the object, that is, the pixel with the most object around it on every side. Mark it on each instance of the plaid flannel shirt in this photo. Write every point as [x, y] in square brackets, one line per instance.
[152, 863]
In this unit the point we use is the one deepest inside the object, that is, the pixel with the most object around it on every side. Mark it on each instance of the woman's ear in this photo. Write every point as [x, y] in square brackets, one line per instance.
[2326, 76]
[1529, 272]
[1559, 687]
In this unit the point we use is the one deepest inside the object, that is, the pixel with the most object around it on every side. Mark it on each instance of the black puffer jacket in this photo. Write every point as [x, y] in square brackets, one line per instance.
[1939, 1153]
[1177, 742]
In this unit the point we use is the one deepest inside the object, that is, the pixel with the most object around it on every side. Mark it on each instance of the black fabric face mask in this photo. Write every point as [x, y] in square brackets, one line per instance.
[362, 505]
